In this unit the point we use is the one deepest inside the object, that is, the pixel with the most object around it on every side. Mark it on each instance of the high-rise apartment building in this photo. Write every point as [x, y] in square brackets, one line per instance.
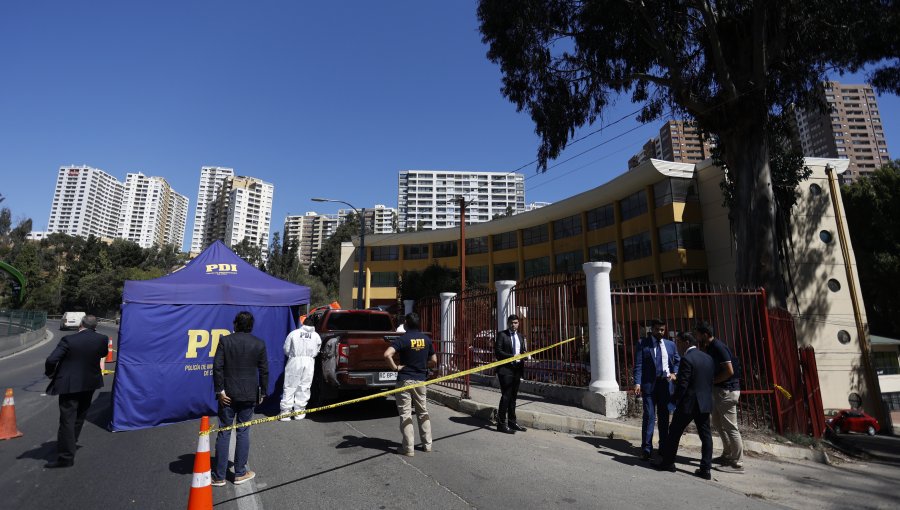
[87, 201]
[379, 219]
[242, 209]
[427, 199]
[679, 141]
[851, 130]
[309, 231]
[211, 180]
[152, 212]
[146, 210]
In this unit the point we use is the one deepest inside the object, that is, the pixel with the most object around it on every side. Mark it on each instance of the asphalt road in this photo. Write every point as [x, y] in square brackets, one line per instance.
[339, 459]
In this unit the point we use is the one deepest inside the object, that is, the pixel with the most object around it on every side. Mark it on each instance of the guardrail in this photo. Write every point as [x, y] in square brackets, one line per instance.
[13, 322]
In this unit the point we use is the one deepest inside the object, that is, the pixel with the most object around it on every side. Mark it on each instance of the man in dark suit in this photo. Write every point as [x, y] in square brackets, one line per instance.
[74, 372]
[241, 380]
[509, 343]
[693, 402]
[655, 365]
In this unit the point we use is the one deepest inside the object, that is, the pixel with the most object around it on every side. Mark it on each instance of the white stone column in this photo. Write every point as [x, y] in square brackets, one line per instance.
[506, 302]
[603, 394]
[448, 328]
[408, 306]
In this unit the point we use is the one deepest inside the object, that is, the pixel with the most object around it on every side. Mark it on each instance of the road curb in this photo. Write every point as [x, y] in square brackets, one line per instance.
[611, 429]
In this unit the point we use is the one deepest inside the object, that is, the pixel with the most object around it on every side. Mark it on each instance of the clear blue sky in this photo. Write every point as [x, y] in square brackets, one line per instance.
[319, 98]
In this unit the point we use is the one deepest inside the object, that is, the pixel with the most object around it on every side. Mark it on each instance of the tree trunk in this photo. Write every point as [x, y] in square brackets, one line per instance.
[745, 151]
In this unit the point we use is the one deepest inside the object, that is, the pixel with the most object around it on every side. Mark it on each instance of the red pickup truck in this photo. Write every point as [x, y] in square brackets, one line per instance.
[352, 356]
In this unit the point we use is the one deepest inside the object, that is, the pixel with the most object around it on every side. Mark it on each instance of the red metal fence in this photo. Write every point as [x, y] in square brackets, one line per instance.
[554, 308]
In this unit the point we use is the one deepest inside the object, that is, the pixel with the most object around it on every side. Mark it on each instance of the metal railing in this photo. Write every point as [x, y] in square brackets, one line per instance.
[554, 307]
[13, 322]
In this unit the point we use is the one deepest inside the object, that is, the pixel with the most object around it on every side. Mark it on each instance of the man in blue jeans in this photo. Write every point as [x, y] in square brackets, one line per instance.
[240, 376]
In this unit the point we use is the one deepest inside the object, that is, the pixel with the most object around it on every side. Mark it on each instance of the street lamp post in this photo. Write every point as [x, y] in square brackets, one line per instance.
[361, 279]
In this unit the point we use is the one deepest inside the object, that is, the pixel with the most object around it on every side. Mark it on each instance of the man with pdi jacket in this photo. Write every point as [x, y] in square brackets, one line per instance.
[241, 378]
[74, 372]
[655, 365]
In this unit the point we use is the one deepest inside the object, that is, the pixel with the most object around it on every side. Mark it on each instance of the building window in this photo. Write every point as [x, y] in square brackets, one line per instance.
[447, 249]
[886, 363]
[569, 262]
[535, 235]
[634, 205]
[385, 253]
[537, 267]
[477, 274]
[688, 236]
[415, 252]
[476, 245]
[567, 227]
[383, 279]
[675, 189]
[605, 252]
[507, 271]
[504, 241]
[636, 247]
[600, 217]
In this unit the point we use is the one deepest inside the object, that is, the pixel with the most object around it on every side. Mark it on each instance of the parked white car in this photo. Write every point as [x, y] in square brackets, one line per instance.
[71, 320]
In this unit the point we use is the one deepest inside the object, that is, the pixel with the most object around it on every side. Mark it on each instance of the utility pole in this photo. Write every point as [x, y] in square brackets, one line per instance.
[461, 200]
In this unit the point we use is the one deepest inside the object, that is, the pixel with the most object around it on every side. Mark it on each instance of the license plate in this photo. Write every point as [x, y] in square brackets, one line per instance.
[387, 376]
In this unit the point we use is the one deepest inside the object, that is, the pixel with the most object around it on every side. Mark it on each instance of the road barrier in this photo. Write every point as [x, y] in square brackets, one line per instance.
[8, 427]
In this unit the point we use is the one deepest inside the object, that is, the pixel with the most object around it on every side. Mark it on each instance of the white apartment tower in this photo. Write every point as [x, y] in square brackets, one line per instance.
[309, 231]
[427, 198]
[379, 219]
[241, 210]
[87, 201]
[152, 212]
[851, 130]
[211, 180]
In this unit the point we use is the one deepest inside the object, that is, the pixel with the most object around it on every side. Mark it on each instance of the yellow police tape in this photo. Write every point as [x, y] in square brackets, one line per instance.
[387, 392]
[783, 391]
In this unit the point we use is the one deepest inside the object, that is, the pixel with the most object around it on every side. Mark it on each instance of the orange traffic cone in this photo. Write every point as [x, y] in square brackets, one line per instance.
[201, 485]
[8, 428]
[109, 355]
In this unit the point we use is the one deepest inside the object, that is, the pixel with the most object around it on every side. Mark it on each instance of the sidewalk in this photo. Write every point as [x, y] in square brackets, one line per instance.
[540, 412]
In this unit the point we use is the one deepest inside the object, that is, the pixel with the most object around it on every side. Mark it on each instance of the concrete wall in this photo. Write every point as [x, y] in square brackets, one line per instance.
[15, 343]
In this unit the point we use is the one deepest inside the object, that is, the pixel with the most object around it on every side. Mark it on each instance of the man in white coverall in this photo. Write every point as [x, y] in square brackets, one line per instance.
[301, 347]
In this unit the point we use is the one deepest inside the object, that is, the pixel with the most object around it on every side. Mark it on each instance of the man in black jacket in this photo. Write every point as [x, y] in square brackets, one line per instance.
[693, 402]
[509, 343]
[241, 378]
[74, 372]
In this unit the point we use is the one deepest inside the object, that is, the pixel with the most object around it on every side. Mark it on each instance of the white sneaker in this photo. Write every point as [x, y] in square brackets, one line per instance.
[300, 416]
[286, 418]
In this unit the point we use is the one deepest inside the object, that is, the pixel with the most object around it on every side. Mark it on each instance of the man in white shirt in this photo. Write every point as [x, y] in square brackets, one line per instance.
[655, 364]
[509, 343]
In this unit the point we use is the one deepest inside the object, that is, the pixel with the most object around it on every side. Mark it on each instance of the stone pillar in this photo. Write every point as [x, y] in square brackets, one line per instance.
[506, 303]
[603, 394]
[448, 327]
[408, 306]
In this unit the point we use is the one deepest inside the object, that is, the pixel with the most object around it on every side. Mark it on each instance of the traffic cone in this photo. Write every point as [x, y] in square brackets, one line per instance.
[109, 355]
[8, 428]
[201, 485]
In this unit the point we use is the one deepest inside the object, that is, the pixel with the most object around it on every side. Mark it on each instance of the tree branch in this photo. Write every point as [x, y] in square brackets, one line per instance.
[715, 45]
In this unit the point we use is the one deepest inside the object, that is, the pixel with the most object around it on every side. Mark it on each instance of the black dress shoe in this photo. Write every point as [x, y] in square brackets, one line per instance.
[645, 455]
[504, 429]
[664, 467]
[516, 426]
[706, 475]
[58, 464]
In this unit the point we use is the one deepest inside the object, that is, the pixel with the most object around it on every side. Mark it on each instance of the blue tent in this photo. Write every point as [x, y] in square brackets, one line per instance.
[171, 326]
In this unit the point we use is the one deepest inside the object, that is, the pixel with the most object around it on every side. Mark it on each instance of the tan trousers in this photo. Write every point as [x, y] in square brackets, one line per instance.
[406, 400]
[725, 421]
